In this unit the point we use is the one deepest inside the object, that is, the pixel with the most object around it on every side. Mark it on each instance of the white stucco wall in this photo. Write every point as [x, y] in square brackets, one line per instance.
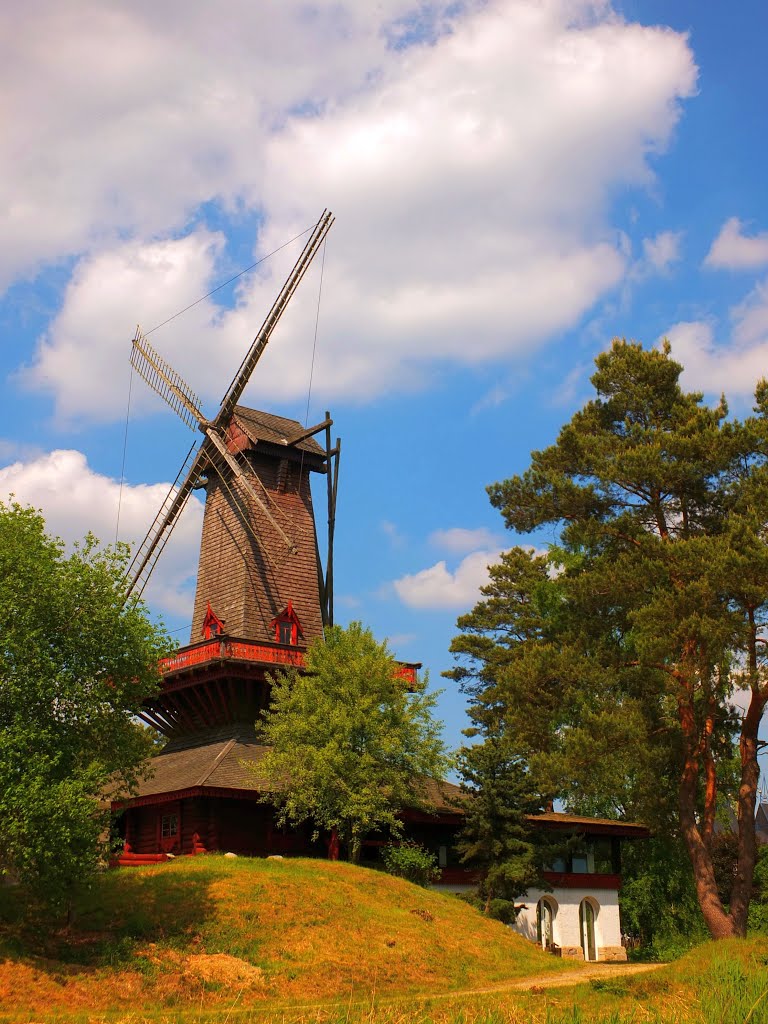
[565, 924]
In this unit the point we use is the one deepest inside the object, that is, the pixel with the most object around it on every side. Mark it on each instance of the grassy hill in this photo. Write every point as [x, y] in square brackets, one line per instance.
[200, 931]
[209, 939]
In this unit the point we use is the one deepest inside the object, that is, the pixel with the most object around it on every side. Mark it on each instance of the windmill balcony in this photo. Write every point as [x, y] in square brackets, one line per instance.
[228, 649]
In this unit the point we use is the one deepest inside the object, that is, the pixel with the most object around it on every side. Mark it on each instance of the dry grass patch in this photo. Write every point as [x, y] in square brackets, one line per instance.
[200, 931]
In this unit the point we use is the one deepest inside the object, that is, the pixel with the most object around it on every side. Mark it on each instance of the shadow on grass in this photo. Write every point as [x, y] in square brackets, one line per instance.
[122, 910]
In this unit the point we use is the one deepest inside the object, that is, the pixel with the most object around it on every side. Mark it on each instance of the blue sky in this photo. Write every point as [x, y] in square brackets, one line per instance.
[514, 182]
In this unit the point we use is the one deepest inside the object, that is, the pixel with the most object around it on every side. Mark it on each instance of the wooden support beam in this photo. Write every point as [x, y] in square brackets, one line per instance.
[309, 432]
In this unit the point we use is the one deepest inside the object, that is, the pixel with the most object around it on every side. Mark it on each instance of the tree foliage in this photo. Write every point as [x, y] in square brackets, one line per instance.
[351, 745]
[75, 665]
[614, 657]
[497, 838]
[411, 862]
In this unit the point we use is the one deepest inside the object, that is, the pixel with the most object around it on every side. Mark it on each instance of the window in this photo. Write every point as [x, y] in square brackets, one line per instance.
[583, 860]
[604, 856]
[287, 626]
[598, 855]
[442, 856]
[169, 826]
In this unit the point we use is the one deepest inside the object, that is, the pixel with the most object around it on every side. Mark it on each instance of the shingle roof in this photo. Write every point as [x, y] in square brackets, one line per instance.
[442, 796]
[229, 759]
[210, 761]
[265, 426]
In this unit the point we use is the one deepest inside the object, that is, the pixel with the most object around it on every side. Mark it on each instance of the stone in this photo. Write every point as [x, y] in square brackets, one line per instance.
[230, 855]
[611, 954]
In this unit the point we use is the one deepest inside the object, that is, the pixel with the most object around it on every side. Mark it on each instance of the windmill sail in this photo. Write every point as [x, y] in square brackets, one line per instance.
[163, 379]
[261, 340]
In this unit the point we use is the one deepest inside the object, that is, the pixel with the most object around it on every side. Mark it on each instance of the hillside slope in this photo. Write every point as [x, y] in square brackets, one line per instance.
[200, 930]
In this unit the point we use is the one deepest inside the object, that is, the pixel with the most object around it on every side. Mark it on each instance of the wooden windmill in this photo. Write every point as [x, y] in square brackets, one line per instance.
[260, 575]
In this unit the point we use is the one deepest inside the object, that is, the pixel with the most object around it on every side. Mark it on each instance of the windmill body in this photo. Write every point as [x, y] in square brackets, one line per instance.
[262, 596]
[247, 573]
[257, 605]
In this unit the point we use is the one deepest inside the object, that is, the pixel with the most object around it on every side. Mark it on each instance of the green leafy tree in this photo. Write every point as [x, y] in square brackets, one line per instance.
[658, 898]
[75, 665]
[652, 613]
[351, 744]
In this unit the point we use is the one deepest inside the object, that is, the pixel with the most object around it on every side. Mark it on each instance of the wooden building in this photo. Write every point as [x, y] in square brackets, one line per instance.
[259, 602]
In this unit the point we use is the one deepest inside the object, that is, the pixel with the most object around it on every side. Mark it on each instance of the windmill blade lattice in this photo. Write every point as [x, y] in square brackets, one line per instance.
[157, 536]
[164, 380]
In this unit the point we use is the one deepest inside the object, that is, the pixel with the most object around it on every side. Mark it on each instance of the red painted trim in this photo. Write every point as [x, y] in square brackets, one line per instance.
[212, 624]
[231, 650]
[574, 880]
[458, 876]
[288, 615]
[185, 794]
[230, 654]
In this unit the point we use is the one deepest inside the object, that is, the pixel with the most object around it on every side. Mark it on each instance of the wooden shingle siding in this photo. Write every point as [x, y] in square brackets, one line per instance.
[248, 582]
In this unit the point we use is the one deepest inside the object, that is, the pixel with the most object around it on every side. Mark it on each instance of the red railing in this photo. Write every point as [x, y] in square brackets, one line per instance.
[247, 650]
[231, 650]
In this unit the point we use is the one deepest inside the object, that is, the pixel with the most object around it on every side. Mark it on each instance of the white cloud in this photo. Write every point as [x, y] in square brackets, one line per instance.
[715, 368]
[75, 500]
[83, 358]
[125, 117]
[12, 449]
[470, 178]
[459, 540]
[733, 250]
[660, 252]
[439, 587]
[392, 533]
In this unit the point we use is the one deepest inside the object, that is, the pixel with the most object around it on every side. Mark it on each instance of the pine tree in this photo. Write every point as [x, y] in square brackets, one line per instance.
[653, 615]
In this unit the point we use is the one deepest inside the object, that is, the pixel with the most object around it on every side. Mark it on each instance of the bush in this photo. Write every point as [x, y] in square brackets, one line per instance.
[411, 862]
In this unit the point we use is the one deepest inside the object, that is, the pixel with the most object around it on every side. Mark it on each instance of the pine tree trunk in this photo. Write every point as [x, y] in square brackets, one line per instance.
[741, 891]
[718, 922]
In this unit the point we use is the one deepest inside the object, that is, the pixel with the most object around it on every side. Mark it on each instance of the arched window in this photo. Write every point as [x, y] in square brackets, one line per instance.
[588, 911]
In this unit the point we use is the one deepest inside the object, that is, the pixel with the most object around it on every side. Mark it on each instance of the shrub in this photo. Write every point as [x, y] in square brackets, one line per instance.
[411, 862]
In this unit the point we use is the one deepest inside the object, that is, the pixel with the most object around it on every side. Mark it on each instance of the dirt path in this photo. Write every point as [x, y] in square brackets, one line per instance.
[587, 974]
[535, 983]
[541, 982]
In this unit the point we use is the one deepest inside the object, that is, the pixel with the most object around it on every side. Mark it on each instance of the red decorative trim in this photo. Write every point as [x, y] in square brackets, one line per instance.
[230, 650]
[184, 794]
[581, 880]
[230, 653]
[212, 624]
[458, 876]
[288, 617]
